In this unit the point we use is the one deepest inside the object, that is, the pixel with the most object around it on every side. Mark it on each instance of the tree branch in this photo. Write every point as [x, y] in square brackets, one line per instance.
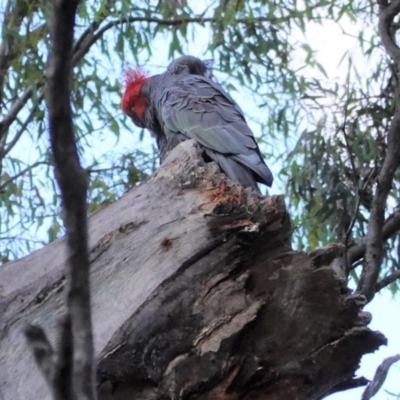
[340, 264]
[21, 130]
[92, 27]
[91, 37]
[8, 181]
[387, 280]
[13, 15]
[15, 109]
[72, 181]
[64, 366]
[374, 240]
[390, 228]
[387, 12]
[379, 378]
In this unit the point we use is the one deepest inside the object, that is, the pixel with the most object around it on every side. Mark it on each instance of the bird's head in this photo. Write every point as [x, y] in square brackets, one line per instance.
[133, 103]
[192, 65]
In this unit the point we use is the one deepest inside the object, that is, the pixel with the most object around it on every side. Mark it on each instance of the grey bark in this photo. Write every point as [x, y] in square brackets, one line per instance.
[196, 294]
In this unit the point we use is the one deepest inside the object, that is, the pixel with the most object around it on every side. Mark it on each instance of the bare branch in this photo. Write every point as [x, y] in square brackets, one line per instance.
[387, 280]
[392, 225]
[374, 240]
[13, 16]
[387, 12]
[64, 367]
[73, 375]
[92, 37]
[21, 130]
[8, 181]
[379, 378]
[92, 27]
[72, 180]
[340, 264]
[390, 228]
[352, 161]
[15, 109]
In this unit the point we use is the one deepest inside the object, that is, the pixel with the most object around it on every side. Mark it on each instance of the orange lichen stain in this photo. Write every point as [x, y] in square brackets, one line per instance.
[222, 194]
[225, 194]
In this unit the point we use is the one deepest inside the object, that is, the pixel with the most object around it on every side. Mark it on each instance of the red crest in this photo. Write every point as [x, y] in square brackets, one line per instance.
[134, 76]
[133, 82]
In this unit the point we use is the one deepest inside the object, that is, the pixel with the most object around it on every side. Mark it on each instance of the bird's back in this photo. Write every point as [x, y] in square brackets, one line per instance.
[195, 107]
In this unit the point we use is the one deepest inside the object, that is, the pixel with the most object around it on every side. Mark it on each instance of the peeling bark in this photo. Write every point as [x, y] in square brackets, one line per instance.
[197, 294]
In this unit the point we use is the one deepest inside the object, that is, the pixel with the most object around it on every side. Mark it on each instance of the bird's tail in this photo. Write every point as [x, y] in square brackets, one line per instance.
[234, 170]
[255, 163]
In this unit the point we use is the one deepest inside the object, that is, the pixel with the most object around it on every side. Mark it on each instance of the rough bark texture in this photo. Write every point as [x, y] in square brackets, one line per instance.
[197, 294]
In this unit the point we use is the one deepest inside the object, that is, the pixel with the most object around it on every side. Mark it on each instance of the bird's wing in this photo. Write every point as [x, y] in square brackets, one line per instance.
[200, 109]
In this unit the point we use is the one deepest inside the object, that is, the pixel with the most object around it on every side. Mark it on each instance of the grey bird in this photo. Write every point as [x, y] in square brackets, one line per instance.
[185, 103]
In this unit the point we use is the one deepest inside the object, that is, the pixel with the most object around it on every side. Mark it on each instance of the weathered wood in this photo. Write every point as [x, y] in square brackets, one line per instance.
[197, 293]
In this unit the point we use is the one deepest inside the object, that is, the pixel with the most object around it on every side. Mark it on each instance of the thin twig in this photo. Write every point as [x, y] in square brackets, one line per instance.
[16, 108]
[93, 26]
[13, 16]
[21, 130]
[354, 217]
[387, 280]
[345, 223]
[348, 147]
[8, 181]
[351, 158]
[390, 228]
[92, 38]
[343, 220]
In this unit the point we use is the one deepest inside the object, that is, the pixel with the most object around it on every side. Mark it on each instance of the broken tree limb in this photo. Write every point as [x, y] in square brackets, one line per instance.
[197, 293]
[380, 376]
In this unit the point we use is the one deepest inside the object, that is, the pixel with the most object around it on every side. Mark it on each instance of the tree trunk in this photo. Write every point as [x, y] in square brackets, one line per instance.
[197, 294]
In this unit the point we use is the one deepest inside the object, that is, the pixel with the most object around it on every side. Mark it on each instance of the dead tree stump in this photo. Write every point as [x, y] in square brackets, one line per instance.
[197, 294]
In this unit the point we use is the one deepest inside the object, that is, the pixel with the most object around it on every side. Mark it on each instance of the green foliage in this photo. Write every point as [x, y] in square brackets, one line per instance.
[338, 157]
[327, 136]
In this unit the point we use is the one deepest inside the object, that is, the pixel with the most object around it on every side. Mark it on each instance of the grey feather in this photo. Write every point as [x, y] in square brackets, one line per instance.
[190, 106]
